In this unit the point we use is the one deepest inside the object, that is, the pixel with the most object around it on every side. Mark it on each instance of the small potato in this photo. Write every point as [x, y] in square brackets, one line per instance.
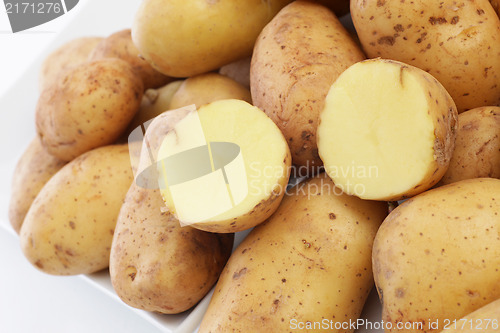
[69, 228]
[297, 57]
[308, 262]
[90, 106]
[206, 88]
[436, 257]
[154, 102]
[120, 45]
[483, 320]
[457, 42]
[71, 54]
[35, 167]
[387, 131]
[156, 264]
[477, 148]
[185, 38]
[239, 71]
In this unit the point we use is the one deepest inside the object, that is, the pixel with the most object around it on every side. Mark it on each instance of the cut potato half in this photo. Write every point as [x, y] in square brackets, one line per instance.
[387, 131]
[223, 168]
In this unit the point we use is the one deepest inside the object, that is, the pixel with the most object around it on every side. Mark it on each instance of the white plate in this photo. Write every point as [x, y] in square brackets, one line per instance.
[99, 18]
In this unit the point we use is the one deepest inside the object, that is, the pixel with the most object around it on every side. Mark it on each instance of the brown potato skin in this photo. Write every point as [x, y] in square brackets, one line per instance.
[90, 106]
[157, 265]
[496, 6]
[436, 256]
[477, 147]
[70, 54]
[297, 57]
[69, 227]
[308, 261]
[427, 34]
[119, 45]
[35, 167]
[207, 88]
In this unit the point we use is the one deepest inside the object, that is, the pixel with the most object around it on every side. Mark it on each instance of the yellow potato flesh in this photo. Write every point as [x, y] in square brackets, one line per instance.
[264, 152]
[376, 136]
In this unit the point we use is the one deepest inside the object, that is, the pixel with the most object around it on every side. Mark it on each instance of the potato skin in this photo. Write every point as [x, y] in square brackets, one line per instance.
[297, 57]
[311, 260]
[477, 148]
[219, 32]
[481, 320]
[206, 88]
[427, 34]
[33, 170]
[119, 45]
[239, 71]
[69, 228]
[90, 106]
[442, 235]
[157, 265]
[70, 54]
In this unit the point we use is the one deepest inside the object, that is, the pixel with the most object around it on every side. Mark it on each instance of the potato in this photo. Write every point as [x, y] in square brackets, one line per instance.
[387, 131]
[223, 168]
[33, 170]
[456, 42]
[201, 35]
[309, 263]
[436, 257]
[239, 71]
[477, 148]
[154, 102]
[206, 88]
[120, 45]
[485, 319]
[295, 61]
[90, 106]
[69, 228]
[70, 54]
[157, 265]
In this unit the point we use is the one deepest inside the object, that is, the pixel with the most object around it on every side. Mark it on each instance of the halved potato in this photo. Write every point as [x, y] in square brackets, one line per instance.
[224, 168]
[387, 130]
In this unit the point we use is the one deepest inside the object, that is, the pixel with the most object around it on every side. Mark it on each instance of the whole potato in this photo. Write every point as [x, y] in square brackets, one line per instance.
[297, 57]
[185, 38]
[70, 54]
[436, 257]
[90, 106]
[206, 88]
[35, 167]
[310, 262]
[69, 227]
[157, 265]
[456, 42]
[119, 45]
[477, 148]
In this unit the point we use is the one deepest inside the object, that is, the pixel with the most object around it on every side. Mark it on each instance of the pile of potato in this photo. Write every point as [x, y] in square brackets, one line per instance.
[407, 106]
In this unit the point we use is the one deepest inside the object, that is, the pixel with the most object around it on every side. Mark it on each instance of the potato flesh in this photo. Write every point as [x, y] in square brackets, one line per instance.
[378, 143]
[263, 149]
